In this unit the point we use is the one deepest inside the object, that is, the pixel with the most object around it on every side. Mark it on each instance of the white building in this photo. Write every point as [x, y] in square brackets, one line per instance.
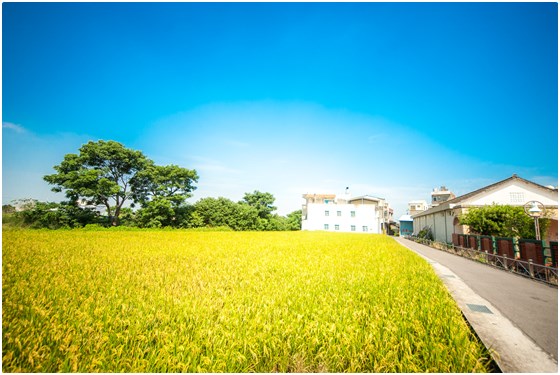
[415, 207]
[441, 195]
[99, 208]
[363, 214]
[443, 219]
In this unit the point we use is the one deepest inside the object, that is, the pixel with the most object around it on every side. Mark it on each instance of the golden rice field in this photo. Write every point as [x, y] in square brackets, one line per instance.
[181, 301]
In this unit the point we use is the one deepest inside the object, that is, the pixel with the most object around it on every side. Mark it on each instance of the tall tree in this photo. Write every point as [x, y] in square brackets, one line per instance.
[103, 172]
[169, 182]
[262, 202]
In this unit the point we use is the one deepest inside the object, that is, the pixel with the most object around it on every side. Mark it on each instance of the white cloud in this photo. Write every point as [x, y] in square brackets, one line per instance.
[15, 127]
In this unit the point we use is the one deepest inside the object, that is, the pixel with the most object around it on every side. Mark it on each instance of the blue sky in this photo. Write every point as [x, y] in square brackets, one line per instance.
[389, 99]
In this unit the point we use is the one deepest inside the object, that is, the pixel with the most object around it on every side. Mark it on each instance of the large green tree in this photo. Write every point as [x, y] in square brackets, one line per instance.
[103, 172]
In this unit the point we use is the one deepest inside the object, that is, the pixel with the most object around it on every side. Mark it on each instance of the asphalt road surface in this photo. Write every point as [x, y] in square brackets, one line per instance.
[530, 305]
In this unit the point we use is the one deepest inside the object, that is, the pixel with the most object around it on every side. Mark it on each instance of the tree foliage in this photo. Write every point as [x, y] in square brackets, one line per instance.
[218, 212]
[158, 212]
[106, 172]
[169, 182]
[294, 220]
[262, 202]
[254, 212]
[103, 172]
[162, 191]
[56, 215]
[501, 221]
[8, 209]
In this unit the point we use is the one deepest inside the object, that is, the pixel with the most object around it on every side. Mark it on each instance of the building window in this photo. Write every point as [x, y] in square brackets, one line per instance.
[353, 213]
[516, 197]
[353, 228]
[326, 213]
[338, 213]
[364, 228]
[336, 227]
[326, 226]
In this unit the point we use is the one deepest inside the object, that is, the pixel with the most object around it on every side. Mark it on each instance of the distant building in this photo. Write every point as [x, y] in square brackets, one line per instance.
[329, 212]
[440, 195]
[443, 219]
[415, 207]
[84, 204]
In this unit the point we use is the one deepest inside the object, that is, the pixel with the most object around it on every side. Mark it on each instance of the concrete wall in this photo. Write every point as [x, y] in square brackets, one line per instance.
[441, 224]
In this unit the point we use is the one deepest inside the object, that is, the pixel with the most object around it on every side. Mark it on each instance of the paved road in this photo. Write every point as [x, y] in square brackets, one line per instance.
[529, 305]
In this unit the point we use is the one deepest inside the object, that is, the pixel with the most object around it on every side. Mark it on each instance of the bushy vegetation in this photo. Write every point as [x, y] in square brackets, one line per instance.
[502, 221]
[157, 213]
[426, 233]
[186, 301]
[35, 214]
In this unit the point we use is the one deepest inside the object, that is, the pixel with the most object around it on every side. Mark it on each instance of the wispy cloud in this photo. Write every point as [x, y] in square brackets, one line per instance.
[14, 127]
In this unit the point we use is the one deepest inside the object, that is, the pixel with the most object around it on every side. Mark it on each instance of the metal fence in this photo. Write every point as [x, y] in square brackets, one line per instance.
[506, 261]
[538, 251]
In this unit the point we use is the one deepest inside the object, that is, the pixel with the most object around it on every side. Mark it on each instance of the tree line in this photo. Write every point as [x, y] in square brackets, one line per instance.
[136, 192]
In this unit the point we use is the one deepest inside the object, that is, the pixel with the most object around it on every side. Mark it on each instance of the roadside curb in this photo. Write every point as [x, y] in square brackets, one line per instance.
[510, 348]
